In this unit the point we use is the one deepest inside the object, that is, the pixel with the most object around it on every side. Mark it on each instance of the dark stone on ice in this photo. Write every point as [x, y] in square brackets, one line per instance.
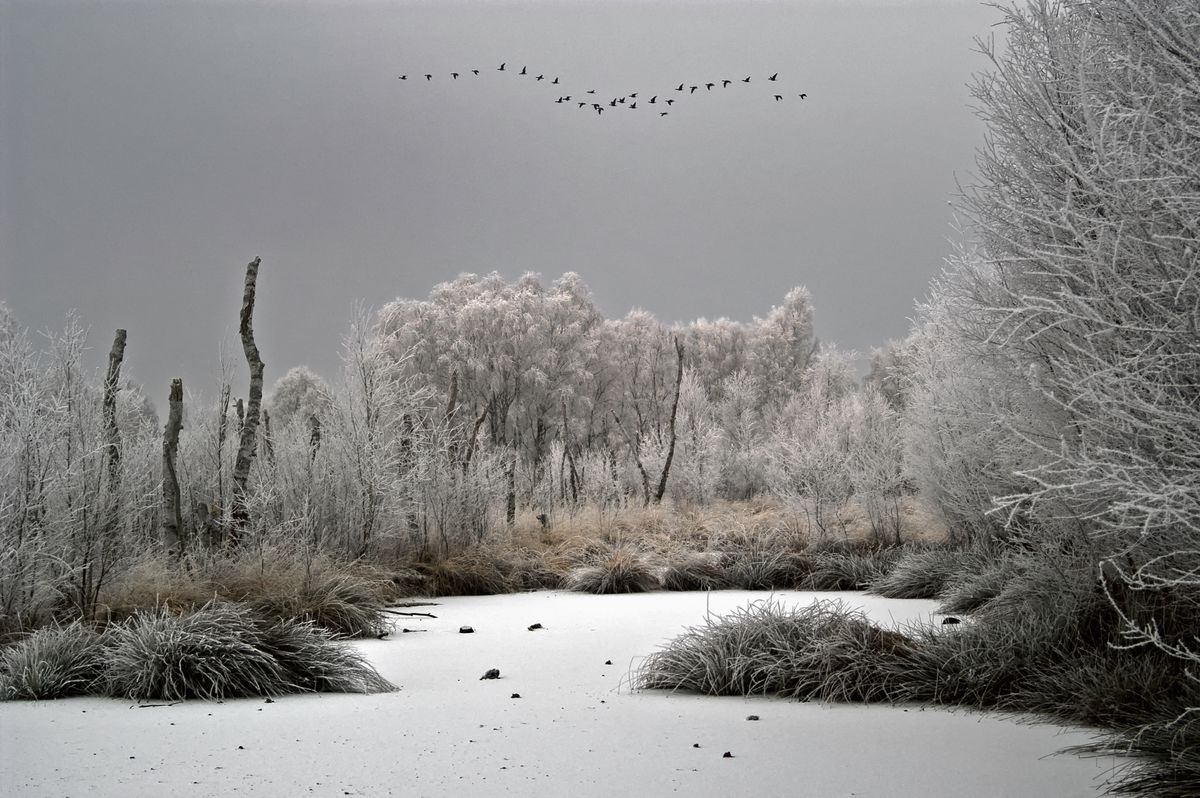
[695, 745]
[727, 755]
[533, 627]
[465, 630]
[608, 662]
[752, 717]
[516, 695]
[494, 673]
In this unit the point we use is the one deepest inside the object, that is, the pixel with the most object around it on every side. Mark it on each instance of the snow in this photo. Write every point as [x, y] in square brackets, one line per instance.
[577, 728]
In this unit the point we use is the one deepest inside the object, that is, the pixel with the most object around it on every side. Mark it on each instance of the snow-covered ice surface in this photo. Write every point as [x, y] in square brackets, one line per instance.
[576, 730]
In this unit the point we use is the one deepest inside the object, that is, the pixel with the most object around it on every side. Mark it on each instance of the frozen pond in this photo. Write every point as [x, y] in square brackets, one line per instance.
[576, 729]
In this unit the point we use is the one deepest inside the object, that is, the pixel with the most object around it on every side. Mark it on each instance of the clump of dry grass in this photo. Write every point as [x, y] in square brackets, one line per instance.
[850, 570]
[478, 571]
[823, 651]
[227, 650]
[622, 570]
[53, 662]
[151, 581]
[694, 572]
[921, 573]
[761, 569]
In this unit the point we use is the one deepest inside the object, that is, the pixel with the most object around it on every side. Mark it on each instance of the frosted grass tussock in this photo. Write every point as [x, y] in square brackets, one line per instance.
[823, 651]
[54, 662]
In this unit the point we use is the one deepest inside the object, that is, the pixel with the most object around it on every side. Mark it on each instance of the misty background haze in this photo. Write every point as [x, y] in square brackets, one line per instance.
[149, 150]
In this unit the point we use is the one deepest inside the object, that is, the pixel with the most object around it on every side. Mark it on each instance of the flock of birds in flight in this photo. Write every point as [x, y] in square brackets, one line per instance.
[629, 101]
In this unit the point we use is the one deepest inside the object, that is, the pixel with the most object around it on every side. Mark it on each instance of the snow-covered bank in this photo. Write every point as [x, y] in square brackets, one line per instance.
[576, 728]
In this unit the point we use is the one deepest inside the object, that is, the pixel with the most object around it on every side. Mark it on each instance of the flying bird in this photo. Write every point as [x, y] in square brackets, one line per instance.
[454, 75]
[591, 91]
[693, 91]
[746, 79]
[778, 97]
[429, 77]
[501, 69]
[662, 113]
[709, 86]
[633, 94]
[475, 71]
[599, 110]
[773, 76]
[653, 99]
[582, 104]
[559, 100]
[803, 96]
[669, 102]
[725, 84]
[523, 72]
[404, 77]
[632, 106]
[541, 77]
[613, 103]
[679, 87]
[554, 82]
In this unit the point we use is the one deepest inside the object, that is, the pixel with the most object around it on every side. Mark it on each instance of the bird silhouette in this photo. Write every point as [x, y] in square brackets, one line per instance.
[746, 79]
[475, 71]
[554, 82]
[523, 72]
[778, 97]
[693, 91]
[582, 104]
[632, 94]
[567, 98]
[454, 75]
[773, 76]
[662, 113]
[679, 87]
[725, 84]
[653, 99]
[501, 69]
[429, 77]
[632, 106]
[613, 103]
[541, 77]
[591, 91]
[670, 102]
[599, 110]
[559, 100]
[404, 77]
[709, 86]
[803, 96]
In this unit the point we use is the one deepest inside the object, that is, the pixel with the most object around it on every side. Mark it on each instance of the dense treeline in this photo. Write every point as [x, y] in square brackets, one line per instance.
[452, 416]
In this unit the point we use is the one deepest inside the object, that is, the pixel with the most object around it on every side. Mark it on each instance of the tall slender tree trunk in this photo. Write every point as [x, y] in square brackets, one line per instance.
[222, 429]
[240, 517]
[171, 522]
[662, 481]
[112, 433]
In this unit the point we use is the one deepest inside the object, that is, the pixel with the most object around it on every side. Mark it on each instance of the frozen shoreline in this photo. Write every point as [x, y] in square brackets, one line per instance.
[577, 728]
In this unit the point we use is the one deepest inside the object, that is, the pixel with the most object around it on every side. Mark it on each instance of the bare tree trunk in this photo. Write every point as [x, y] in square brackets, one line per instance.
[314, 437]
[171, 523]
[222, 427]
[637, 459]
[568, 455]
[511, 505]
[474, 440]
[246, 446]
[662, 481]
[112, 434]
[268, 445]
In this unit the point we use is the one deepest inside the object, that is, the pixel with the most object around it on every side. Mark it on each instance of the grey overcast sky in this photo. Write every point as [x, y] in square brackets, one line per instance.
[148, 150]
